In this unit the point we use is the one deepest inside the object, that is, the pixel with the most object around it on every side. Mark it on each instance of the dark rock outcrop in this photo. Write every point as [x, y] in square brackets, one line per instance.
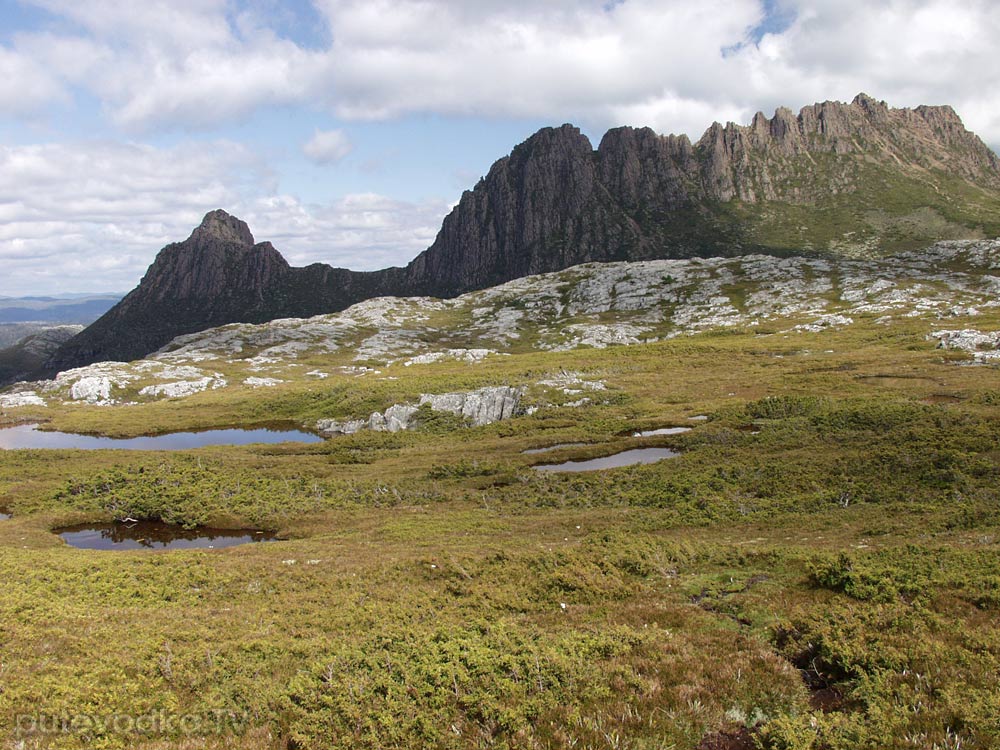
[555, 202]
[218, 275]
[25, 357]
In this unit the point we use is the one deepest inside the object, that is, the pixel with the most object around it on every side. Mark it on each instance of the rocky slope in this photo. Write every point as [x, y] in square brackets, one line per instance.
[32, 351]
[950, 291]
[217, 276]
[851, 179]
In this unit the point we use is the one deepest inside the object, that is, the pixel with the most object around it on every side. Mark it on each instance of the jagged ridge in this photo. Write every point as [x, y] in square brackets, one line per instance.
[863, 171]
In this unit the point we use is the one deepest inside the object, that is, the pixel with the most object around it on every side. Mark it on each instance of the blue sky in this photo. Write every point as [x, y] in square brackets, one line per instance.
[343, 130]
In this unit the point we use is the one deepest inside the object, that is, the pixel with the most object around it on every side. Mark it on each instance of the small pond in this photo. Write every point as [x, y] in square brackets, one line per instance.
[662, 431]
[156, 535]
[4, 516]
[29, 436]
[625, 458]
[555, 447]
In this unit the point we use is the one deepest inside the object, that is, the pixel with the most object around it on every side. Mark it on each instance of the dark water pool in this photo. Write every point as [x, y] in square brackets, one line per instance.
[625, 458]
[157, 536]
[29, 436]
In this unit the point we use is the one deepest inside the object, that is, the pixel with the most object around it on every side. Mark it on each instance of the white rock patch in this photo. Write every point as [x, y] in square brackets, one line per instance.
[472, 356]
[21, 398]
[825, 321]
[983, 345]
[262, 382]
[480, 407]
[180, 388]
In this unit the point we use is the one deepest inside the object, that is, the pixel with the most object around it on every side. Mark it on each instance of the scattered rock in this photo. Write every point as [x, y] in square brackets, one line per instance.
[262, 382]
[471, 356]
[91, 389]
[825, 321]
[983, 345]
[598, 336]
[480, 407]
[572, 383]
[594, 305]
[21, 398]
[180, 388]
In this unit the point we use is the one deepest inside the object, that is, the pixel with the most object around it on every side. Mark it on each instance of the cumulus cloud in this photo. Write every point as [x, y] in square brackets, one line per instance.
[327, 146]
[560, 60]
[908, 53]
[363, 231]
[25, 84]
[91, 216]
[88, 214]
[672, 63]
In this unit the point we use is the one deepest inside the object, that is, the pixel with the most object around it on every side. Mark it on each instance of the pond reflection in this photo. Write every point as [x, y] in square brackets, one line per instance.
[27, 436]
[157, 535]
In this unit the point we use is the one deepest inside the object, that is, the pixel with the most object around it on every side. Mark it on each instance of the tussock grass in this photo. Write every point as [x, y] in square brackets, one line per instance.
[432, 590]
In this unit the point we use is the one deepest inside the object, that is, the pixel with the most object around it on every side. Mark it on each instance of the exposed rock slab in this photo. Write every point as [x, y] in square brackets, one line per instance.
[480, 407]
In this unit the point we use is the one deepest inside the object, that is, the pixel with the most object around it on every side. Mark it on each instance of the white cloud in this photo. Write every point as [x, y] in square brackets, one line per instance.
[570, 61]
[91, 216]
[182, 24]
[669, 63]
[327, 146]
[25, 84]
[363, 231]
[906, 52]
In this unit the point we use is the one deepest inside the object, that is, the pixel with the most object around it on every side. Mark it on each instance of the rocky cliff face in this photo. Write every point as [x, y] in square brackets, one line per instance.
[555, 202]
[218, 275]
[765, 161]
[856, 178]
[30, 353]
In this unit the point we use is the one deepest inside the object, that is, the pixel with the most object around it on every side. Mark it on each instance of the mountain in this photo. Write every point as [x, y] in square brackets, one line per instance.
[944, 294]
[218, 275]
[859, 179]
[32, 351]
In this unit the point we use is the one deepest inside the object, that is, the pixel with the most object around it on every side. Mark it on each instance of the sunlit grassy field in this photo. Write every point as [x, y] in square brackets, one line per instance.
[818, 568]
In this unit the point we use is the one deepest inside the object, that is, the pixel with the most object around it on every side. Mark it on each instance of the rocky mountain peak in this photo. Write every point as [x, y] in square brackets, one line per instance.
[835, 177]
[566, 137]
[219, 226]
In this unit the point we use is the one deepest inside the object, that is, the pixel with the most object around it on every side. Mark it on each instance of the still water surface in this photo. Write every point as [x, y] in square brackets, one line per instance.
[156, 535]
[625, 458]
[29, 436]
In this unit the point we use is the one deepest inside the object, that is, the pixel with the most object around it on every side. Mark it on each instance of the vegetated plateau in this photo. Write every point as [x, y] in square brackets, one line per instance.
[817, 567]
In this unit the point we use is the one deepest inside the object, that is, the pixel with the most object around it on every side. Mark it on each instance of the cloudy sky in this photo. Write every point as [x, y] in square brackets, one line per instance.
[342, 130]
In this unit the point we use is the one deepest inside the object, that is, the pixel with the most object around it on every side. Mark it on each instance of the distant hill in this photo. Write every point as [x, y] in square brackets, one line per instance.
[27, 355]
[77, 308]
[856, 180]
[33, 328]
